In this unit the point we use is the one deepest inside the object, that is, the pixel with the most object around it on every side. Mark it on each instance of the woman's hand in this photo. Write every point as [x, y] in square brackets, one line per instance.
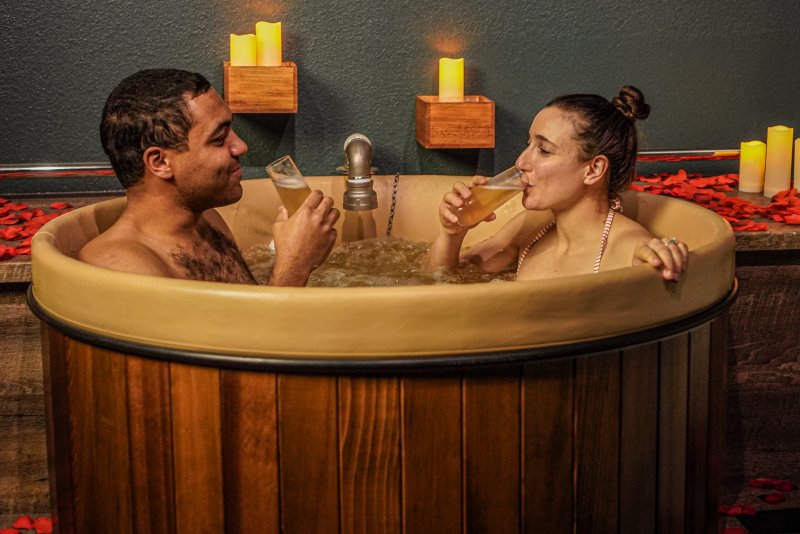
[454, 199]
[669, 255]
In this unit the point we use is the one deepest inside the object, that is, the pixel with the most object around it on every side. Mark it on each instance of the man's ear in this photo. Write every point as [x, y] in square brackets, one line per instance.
[157, 161]
[596, 169]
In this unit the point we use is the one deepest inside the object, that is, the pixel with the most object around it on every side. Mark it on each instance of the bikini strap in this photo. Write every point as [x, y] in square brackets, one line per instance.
[536, 238]
[604, 240]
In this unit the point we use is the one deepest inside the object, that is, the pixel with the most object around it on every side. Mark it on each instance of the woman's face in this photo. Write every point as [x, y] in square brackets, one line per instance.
[553, 165]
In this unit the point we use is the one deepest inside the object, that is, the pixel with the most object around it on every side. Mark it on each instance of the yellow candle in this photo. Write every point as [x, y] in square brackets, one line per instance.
[797, 163]
[751, 166]
[268, 44]
[451, 79]
[778, 168]
[243, 50]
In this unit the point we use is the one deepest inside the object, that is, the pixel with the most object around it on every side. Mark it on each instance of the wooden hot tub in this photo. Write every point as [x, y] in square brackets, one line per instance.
[589, 403]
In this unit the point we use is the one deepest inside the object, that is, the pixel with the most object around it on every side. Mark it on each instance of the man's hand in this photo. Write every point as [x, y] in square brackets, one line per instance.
[303, 241]
[668, 255]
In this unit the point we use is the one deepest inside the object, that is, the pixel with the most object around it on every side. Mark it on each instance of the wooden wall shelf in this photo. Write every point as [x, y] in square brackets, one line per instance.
[261, 89]
[465, 124]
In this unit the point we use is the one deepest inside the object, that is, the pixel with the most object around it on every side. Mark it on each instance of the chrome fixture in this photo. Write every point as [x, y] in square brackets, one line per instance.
[359, 195]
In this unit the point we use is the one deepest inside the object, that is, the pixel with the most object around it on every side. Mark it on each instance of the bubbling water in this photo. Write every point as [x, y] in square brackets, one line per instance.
[378, 262]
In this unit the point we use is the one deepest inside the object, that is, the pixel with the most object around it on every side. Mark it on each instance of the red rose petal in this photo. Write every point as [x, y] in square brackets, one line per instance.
[737, 509]
[7, 252]
[773, 498]
[783, 485]
[792, 219]
[8, 530]
[43, 525]
[22, 251]
[23, 521]
[9, 219]
[761, 482]
[16, 207]
[60, 205]
[10, 233]
[2, 201]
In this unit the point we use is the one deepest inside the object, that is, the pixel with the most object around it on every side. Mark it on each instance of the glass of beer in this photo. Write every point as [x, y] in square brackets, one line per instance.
[488, 197]
[290, 184]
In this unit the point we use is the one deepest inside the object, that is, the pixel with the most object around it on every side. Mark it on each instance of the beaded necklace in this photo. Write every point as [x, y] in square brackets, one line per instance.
[603, 241]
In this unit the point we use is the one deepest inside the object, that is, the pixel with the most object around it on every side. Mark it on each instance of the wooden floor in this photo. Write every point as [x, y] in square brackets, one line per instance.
[763, 420]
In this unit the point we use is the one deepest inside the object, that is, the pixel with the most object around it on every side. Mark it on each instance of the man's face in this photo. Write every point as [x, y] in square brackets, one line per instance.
[208, 174]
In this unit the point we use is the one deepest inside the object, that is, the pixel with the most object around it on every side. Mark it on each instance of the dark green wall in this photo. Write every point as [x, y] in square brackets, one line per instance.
[715, 72]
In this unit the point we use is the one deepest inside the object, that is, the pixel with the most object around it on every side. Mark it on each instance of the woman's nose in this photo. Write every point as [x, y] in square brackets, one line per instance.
[523, 162]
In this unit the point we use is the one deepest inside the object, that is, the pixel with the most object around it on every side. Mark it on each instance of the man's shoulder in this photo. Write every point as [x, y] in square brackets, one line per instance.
[119, 252]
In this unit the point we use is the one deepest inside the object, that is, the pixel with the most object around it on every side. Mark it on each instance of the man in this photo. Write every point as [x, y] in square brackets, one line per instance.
[168, 136]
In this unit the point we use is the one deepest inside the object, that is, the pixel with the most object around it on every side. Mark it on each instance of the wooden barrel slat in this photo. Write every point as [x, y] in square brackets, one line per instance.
[197, 446]
[58, 420]
[432, 476]
[548, 441]
[697, 427]
[112, 453]
[492, 449]
[309, 453]
[150, 429]
[250, 452]
[673, 400]
[84, 462]
[717, 388]
[597, 412]
[369, 451]
[639, 439]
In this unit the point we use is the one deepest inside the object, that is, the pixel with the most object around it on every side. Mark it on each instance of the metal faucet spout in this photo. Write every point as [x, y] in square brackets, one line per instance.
[359, 195]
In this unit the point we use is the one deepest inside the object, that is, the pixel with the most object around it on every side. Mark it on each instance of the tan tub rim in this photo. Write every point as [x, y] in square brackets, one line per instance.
[378, 364]
[303, 327]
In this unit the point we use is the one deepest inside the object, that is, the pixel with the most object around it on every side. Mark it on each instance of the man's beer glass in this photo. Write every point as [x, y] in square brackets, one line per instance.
[289, 182]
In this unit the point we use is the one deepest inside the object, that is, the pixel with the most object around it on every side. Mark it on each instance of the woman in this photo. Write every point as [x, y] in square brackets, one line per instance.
[581, 155]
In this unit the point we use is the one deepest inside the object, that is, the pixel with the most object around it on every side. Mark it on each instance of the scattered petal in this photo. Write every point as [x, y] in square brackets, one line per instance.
[761, 482]
[737, 509]
[23, 521]
[60, 205]
[784, 485]
[8, 530]
[773, 498]
[43, 525]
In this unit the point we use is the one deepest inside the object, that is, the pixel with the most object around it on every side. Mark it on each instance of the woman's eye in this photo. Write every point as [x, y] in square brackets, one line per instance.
[541, 149]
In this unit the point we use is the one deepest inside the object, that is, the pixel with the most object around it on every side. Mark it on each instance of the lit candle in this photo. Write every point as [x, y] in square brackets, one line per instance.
[243, 50]
[451, 79]
[797, 163]
[268, 44]
[751, 166]
[778, 168]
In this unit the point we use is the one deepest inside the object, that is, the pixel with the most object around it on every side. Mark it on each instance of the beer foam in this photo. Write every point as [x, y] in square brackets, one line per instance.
[506, 187]
[291, 183]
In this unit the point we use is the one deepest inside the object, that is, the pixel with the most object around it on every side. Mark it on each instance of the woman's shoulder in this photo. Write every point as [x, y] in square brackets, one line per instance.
[626, 236]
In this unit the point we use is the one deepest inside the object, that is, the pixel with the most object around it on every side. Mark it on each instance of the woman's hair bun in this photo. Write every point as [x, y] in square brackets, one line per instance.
[630, 103]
